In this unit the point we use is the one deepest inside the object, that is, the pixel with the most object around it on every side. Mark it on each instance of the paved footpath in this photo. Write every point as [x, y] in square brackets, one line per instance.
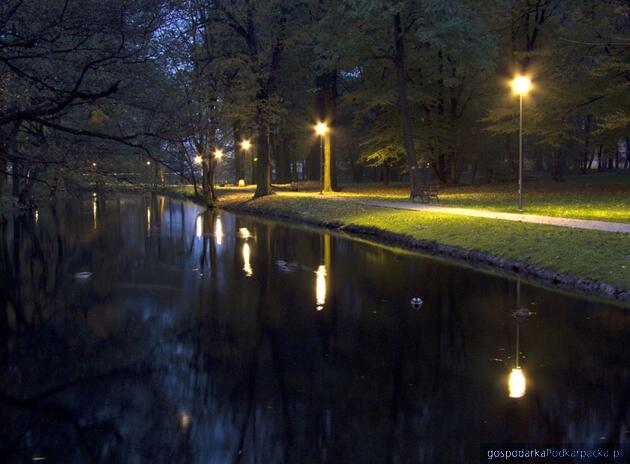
[532, 218]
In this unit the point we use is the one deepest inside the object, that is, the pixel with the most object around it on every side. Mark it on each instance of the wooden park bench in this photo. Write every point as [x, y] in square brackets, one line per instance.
[425, 193]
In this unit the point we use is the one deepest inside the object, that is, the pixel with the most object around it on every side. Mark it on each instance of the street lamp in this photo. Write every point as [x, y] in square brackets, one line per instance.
[246, 145]
[321, 129]
[218, 154]
[198, 159]
[521, 86]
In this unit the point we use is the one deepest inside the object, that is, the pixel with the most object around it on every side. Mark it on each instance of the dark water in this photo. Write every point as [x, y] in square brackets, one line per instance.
[191, 343]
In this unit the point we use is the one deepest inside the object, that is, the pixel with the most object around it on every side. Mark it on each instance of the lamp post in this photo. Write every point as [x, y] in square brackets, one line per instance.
[218, 154]
[246, 145]
[321, 129]
[520, 86]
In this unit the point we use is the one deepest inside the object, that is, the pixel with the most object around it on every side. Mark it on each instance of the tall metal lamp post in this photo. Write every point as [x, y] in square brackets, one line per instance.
[321, 129]
[521, 86]
[246, 145]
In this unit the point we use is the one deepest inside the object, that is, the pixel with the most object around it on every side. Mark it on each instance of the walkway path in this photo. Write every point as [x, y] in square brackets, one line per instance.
[532, 218]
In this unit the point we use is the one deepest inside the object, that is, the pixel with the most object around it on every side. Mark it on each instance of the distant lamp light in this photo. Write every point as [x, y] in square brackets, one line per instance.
[517, 383]
[241, 182]
[148, 163]
[198, 159]
[218, 154]
[246, 145]
[94, 164]
[321, 128]
[521, 85]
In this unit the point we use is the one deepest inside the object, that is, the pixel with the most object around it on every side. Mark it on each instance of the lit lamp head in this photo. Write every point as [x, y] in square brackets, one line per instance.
[321, 128]
[94, 164]
[198, 159]
[521, 85]
[517, 383]
[148, 163]
[218, 154]
[246, 145]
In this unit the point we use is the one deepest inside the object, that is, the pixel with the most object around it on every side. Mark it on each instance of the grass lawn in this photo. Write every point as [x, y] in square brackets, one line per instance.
[604, 197]
[597, 255]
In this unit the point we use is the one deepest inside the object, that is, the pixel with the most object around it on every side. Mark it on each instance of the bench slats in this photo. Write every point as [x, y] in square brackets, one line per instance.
[425, 193]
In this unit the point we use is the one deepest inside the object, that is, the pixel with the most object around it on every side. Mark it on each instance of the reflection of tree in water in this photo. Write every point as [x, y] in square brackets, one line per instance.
[156, 362]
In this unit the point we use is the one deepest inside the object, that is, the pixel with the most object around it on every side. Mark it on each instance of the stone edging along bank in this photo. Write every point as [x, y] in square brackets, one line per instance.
[539, 273]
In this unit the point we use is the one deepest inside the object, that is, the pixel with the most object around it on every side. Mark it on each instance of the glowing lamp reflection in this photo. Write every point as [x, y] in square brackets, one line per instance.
[198, 227]
[148, 219]
[218, 231]
[244, 233]
[517, 383]
[247, 267]
[320, 287]
[184, 419]
[94, 210]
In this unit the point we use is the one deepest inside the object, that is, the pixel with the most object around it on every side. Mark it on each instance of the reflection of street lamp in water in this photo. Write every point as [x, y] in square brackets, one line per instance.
[517, 383]
[218, 231]
[320, 287]
[247, 267]
[198, 227]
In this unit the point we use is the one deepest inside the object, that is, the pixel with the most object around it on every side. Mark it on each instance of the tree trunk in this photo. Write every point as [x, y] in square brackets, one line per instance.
[474, 167]
[15, 178]
[439, 169]
[587, 143]
[281, 159]
[263, 166]
[403, 102]
[330, 112]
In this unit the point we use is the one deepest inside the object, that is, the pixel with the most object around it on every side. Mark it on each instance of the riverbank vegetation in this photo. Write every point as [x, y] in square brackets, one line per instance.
[594, 255]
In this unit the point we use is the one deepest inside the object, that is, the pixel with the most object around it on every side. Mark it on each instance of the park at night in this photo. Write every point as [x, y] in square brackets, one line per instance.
[316, 231]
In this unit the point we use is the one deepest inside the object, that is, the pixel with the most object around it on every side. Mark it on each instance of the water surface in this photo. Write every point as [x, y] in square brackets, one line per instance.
[218, 338]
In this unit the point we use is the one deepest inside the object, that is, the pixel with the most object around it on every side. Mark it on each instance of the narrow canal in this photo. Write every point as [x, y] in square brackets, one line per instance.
[138, 329]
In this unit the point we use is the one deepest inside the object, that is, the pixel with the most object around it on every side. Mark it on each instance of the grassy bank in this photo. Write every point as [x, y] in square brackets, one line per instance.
[600, 256]
[604, 197]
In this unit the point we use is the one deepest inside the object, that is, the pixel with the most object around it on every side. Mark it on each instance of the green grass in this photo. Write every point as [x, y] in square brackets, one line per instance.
[604, 197]
[597, 255]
